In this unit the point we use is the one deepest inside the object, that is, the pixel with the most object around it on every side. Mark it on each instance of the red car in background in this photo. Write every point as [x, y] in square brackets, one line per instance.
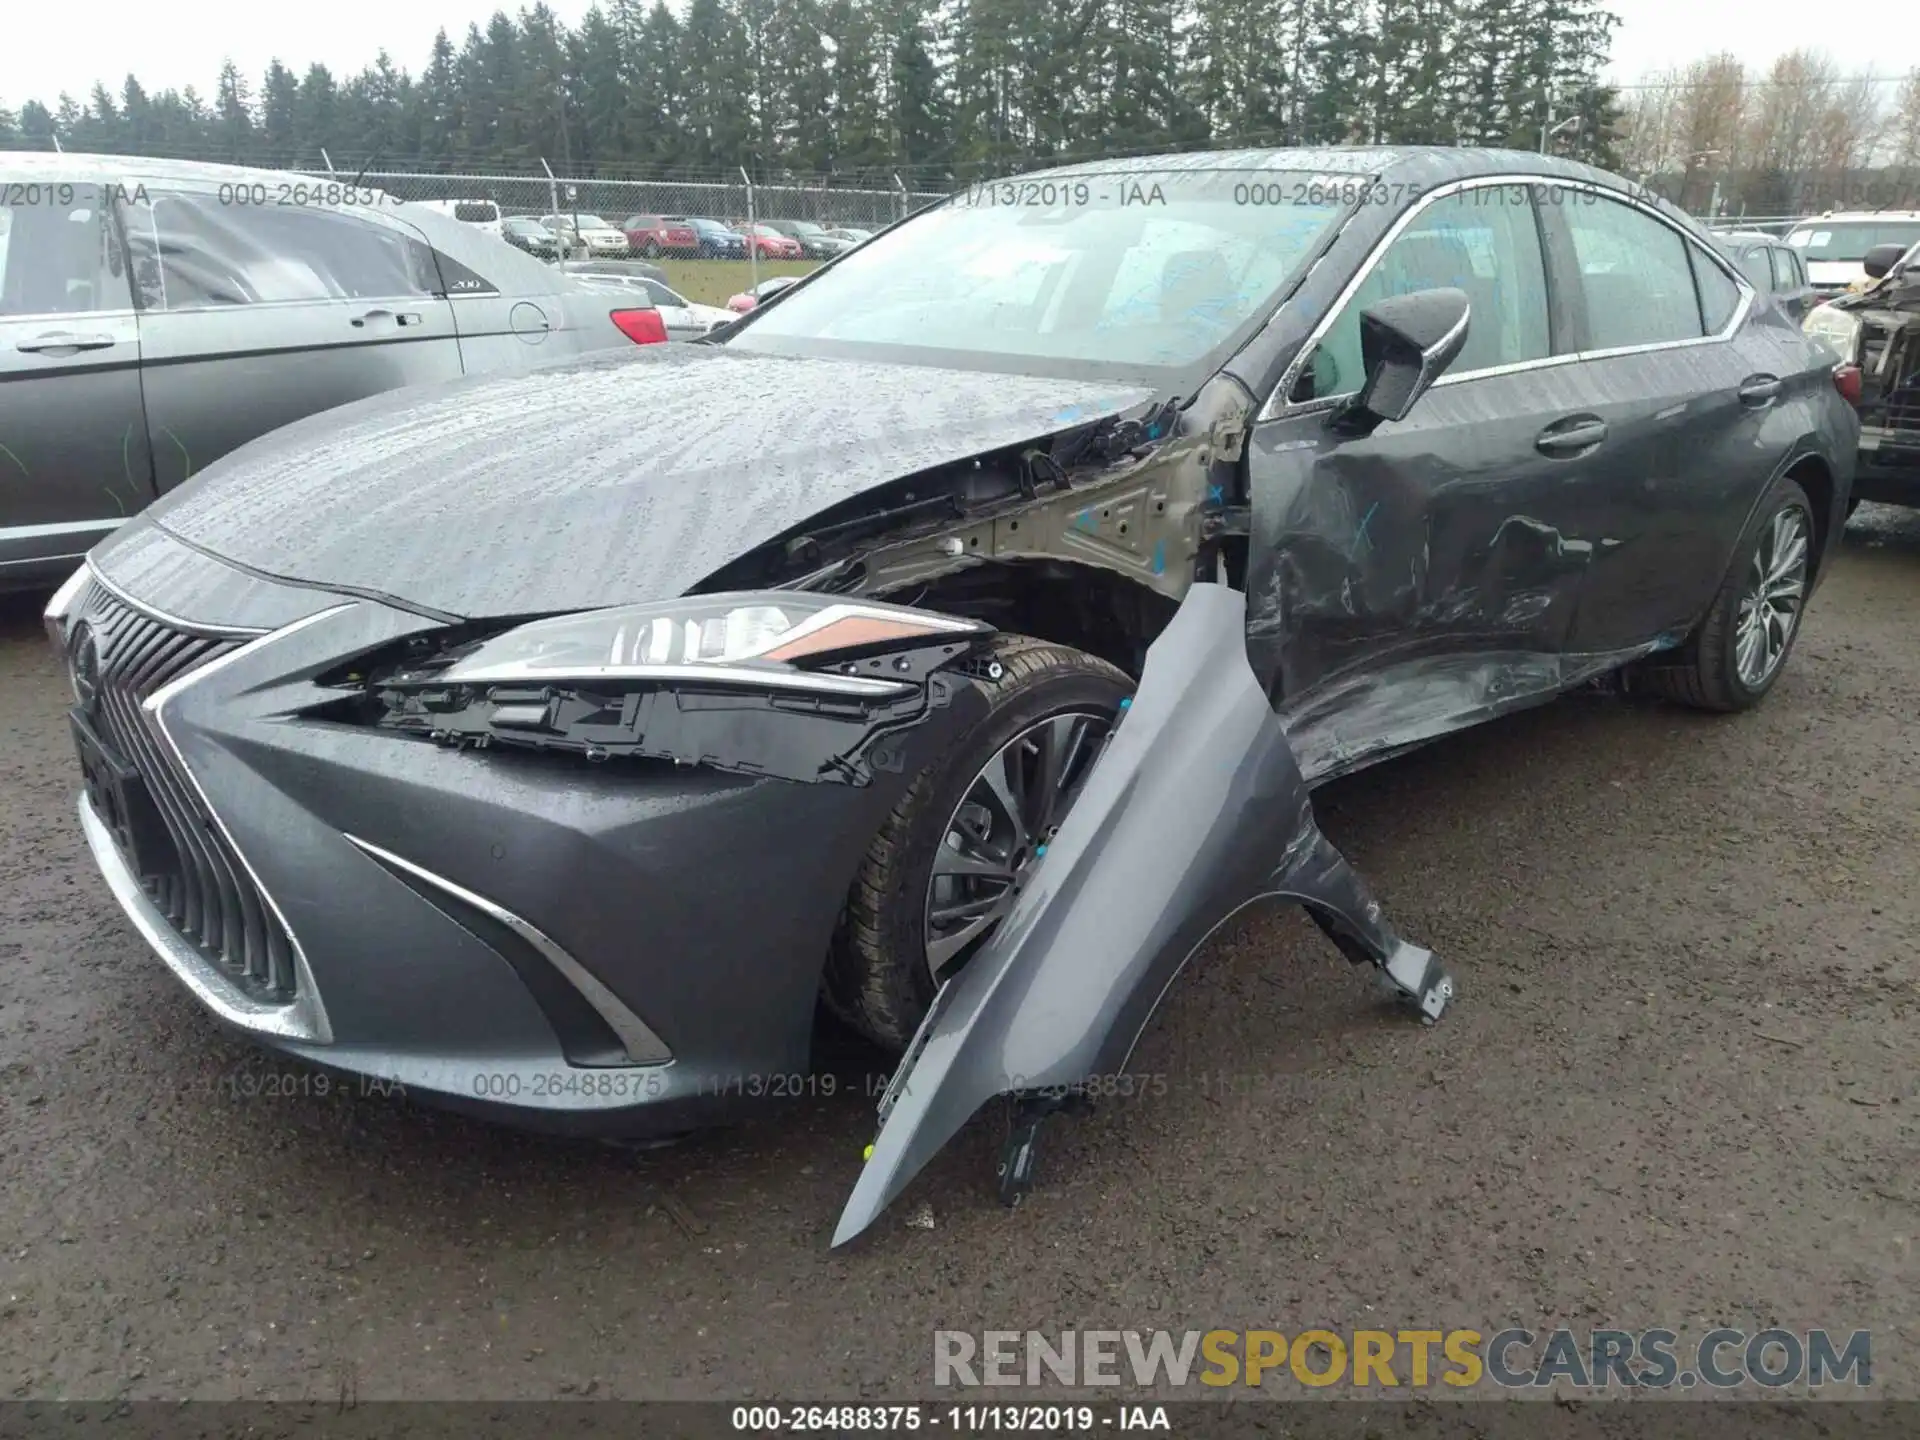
[655, 235]
[747, 299]
[768, 243]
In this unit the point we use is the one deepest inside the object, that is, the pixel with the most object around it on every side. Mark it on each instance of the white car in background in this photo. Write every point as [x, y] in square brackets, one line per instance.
[1834, 245]
[684, 318]
[483, 215]
[589, 234]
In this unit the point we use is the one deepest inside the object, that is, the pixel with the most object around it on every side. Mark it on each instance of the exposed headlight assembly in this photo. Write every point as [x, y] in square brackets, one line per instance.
[1839, 330]
[779, 640]
[783, 683]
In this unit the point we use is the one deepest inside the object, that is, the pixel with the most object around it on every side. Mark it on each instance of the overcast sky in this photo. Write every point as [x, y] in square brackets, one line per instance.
[52, 47]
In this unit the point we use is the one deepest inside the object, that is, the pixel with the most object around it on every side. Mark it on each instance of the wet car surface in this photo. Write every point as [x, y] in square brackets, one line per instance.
[1690, 1021]
[1383, 471]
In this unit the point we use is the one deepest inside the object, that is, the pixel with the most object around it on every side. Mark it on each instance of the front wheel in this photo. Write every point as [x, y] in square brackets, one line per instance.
[957, 849]
[1736, 654]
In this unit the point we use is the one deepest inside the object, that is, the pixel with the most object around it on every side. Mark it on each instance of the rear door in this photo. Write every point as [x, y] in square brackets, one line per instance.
[255, 313]
[1682, 406]
[73, 436]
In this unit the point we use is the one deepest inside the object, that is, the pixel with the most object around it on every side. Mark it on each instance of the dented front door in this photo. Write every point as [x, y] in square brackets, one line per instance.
[1435, 564]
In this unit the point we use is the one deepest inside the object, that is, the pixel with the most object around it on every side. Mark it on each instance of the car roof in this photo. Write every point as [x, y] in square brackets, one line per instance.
[1855, 217]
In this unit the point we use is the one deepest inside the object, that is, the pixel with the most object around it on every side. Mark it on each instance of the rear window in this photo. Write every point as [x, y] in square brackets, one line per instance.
[476, 212]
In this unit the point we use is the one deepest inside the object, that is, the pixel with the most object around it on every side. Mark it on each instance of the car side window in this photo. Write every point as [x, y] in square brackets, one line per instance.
[1484, 241]
[1783, 270]
[1755, 266]
[1719, 296]
[59, 252]
[1633, 270]
[191, 251]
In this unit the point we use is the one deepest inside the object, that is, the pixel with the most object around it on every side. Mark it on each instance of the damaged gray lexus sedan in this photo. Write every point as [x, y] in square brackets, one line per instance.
[956, 637]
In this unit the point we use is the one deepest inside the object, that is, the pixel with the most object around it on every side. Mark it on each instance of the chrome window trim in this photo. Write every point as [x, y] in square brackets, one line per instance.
[192, 627]
[306, 1015]
[643, 1047]
[1276, 404]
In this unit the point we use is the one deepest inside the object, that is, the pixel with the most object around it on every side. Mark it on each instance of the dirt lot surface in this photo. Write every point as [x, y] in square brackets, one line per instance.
[1678, 1089]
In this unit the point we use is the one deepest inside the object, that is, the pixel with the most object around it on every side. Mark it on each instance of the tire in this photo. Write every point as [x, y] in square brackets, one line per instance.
[1706, 673]
[877, 977]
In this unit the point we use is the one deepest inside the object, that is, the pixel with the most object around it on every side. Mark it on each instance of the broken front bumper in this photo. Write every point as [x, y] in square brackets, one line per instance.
[1196, 810]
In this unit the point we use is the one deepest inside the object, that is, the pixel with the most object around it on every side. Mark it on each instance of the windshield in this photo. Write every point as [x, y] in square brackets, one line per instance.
[1847, 241]
[1139, 274]
[589, 222]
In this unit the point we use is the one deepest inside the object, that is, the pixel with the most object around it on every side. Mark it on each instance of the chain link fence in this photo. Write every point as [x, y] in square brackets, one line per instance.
[820, 201]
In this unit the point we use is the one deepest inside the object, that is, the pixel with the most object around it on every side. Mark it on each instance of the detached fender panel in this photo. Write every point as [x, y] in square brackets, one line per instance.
[1197, 809]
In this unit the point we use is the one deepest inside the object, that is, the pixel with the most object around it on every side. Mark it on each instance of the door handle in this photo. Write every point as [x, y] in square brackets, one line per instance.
[63, 340]
[1758, 390]
[360, 320]
[1571, 437]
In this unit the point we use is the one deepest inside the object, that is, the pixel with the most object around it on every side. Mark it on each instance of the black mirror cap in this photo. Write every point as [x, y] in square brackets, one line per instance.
[1406, 343]
[1881, 259]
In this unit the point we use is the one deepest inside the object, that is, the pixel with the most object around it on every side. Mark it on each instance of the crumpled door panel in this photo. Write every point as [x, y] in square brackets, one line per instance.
[1197, 809]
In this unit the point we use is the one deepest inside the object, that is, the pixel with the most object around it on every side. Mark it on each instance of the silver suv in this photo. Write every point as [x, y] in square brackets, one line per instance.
[156, 314]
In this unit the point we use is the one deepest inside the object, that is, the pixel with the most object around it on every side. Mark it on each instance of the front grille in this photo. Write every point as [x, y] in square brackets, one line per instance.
[197, 881]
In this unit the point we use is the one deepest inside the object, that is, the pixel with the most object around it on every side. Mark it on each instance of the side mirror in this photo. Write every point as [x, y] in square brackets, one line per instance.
[1881, 259]
[1406, 343]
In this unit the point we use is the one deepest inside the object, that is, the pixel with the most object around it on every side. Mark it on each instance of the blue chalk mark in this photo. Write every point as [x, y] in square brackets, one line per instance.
[1083, 521]
[1038, 851]
[1127, 703]
[1360, 536]
[1160, 558]
[1072, 412]
[1216, 494]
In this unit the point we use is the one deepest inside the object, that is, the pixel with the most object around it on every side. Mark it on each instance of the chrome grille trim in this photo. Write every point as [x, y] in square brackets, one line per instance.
[223, 932]
[172, 622]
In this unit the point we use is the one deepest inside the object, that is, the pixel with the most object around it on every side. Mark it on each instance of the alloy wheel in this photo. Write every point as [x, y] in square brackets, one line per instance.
[1770, 607]
[1003, 824]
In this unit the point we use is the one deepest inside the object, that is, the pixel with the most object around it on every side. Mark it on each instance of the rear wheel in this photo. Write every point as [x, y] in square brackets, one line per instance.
[949, 860]
[1733, 659]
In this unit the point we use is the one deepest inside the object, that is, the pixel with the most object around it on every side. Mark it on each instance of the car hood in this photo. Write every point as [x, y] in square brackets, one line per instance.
[598, 482]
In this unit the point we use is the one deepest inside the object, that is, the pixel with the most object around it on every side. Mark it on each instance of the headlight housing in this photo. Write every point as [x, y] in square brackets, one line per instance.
[1839, 330]
[766, 640]
[791, 684]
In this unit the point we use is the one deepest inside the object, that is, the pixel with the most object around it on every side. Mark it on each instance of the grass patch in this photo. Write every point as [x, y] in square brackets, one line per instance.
[713, 282]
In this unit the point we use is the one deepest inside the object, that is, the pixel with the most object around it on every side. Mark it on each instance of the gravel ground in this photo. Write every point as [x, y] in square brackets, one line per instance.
[1678, 1089]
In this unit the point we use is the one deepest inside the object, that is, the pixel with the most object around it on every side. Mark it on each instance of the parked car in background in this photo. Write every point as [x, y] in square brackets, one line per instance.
[747, 299]
[717, 241]
[657, 235]
[587, 234]
[850, 234]
[953, 642]
[481, 214]
[1773, 268]
[523, 232]
[156, 314]
[684, 319]
[769, 243]
[1875, 332]
[815, 242]
[1834, 245]
[613, 269]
